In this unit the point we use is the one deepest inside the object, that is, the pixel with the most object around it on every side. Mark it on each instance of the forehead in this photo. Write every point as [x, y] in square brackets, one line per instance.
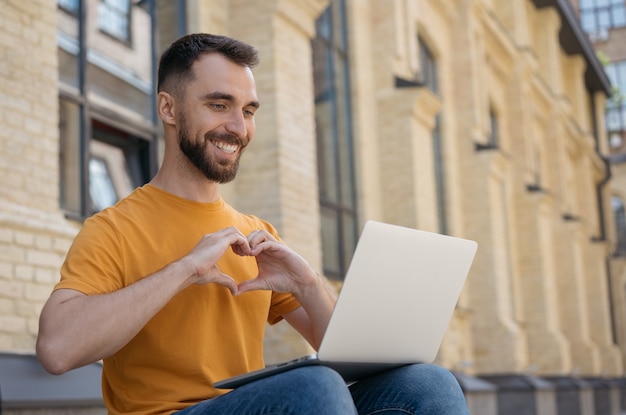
[215, 72]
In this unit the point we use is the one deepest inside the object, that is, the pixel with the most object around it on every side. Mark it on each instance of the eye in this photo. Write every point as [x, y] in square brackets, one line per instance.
[248, 113]
[217, 106]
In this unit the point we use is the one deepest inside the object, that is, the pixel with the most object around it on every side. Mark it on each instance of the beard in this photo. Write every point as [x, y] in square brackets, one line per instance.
[198, 154]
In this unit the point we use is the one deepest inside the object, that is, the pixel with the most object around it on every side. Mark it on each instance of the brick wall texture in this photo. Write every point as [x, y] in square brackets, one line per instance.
[33, 234]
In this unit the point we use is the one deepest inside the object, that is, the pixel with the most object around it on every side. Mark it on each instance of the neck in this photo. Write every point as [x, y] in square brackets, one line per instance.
[192, 187]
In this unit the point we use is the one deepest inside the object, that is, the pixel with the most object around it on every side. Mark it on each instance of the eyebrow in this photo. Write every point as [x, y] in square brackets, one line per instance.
[227, 97]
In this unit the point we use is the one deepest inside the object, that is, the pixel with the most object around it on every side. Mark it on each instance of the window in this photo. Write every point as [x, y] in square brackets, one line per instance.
[101, 188]
[429, 79]
[118, 163]
[104, 153]
[98, 172]
[535, 162]
[439, 177]
[598, 16]
[619, 215]
[428, 65]
[616, 105]
[492, 141]
[114, 18]
[70, 6]
[334, 141]
[493, 133]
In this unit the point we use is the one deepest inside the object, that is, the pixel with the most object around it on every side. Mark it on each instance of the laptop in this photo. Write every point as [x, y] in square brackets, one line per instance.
[395, 305]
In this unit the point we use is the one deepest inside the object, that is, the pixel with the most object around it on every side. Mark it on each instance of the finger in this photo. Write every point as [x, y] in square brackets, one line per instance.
[228, 282]
[259, 236]
[241, 248]
[264, 246]
[238, 242]
[252, 285]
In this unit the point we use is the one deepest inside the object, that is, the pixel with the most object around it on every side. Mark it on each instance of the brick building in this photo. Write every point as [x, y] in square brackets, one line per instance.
[605, 23]
[476, 118]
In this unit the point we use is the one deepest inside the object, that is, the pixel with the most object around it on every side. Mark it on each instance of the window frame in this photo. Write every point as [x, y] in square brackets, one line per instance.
[615, 107]
[338, 206]
[619, 216]
[590, 10]
[428, 65]
[430, 79]
[113, 11]
[138, 143]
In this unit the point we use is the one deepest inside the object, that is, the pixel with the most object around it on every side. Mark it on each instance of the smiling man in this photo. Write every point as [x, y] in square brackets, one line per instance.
[172, 287]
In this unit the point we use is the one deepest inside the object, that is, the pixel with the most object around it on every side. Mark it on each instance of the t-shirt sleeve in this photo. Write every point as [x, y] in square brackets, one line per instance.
[93, 262]
[282, 303]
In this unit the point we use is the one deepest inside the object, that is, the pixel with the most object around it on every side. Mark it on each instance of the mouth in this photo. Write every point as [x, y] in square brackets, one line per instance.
[226, 147]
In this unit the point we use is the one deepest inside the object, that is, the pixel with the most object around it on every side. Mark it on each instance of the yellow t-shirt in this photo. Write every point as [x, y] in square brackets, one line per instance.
[203, 334]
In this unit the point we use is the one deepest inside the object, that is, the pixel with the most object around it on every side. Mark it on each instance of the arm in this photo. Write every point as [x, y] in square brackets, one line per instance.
[283, 270]
[77, 329]
[312, 318]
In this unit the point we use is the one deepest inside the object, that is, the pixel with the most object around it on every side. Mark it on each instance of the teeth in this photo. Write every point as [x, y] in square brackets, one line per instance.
[227, 148]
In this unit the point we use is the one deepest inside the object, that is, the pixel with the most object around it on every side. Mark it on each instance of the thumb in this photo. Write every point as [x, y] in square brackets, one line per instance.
[227, 282]
[252, 285]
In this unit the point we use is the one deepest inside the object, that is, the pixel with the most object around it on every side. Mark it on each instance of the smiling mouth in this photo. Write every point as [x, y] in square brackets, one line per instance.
[226, 147]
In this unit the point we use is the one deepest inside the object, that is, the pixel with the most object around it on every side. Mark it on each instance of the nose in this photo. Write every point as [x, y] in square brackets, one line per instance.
[236, 124]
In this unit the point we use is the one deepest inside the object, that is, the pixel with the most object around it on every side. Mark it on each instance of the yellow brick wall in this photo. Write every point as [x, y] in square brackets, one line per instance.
[33, 234]
[29, 105]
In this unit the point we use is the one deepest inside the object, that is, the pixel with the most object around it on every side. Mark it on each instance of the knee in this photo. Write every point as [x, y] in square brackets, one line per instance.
[317, 378]
[436, 385]
[437, 378]
[419, 389]
[323, 389]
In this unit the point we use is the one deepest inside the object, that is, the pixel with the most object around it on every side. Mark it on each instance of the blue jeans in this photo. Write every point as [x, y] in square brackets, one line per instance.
[416, 389]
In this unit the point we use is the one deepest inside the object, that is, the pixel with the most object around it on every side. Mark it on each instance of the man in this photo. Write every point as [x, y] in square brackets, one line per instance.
[172, 287]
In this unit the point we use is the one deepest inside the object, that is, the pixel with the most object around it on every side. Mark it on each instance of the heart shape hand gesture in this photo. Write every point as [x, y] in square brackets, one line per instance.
[280, 268]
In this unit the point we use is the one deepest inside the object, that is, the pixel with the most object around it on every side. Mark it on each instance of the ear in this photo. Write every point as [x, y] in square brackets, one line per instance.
[166, 107]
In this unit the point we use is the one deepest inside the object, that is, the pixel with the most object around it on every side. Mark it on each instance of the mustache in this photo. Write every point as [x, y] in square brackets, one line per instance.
[227, 138]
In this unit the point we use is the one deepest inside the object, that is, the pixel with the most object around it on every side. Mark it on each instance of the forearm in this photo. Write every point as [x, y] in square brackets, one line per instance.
[317, 301]
[77, 329]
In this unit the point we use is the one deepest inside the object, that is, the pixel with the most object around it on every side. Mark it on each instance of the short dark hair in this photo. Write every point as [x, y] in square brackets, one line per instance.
[175, 63]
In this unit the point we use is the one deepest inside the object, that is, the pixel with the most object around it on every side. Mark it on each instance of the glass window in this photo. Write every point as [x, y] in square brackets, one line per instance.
[428, 65]
[598, 16]
[615, 116]
[101, 188]
[117, 163]
[430, 80]
[68, 5]
[619, 17]
[493, 138]
[114, 18]
[493, 128]
[439, 176]
[334, 141]
[110, 173]
[103, 155]
[619, 215]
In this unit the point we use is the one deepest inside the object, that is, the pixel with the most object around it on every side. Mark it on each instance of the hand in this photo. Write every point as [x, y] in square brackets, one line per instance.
[204, 256]
[280, 268]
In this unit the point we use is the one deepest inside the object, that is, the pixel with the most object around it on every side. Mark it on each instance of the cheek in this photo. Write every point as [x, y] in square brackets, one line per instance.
[251, 129]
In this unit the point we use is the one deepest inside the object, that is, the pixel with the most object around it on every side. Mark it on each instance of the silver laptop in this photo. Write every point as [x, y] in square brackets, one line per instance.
[394, 307]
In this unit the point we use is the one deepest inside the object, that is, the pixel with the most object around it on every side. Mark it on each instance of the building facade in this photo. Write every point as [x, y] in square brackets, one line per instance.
[605, 23]
[481, 119]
